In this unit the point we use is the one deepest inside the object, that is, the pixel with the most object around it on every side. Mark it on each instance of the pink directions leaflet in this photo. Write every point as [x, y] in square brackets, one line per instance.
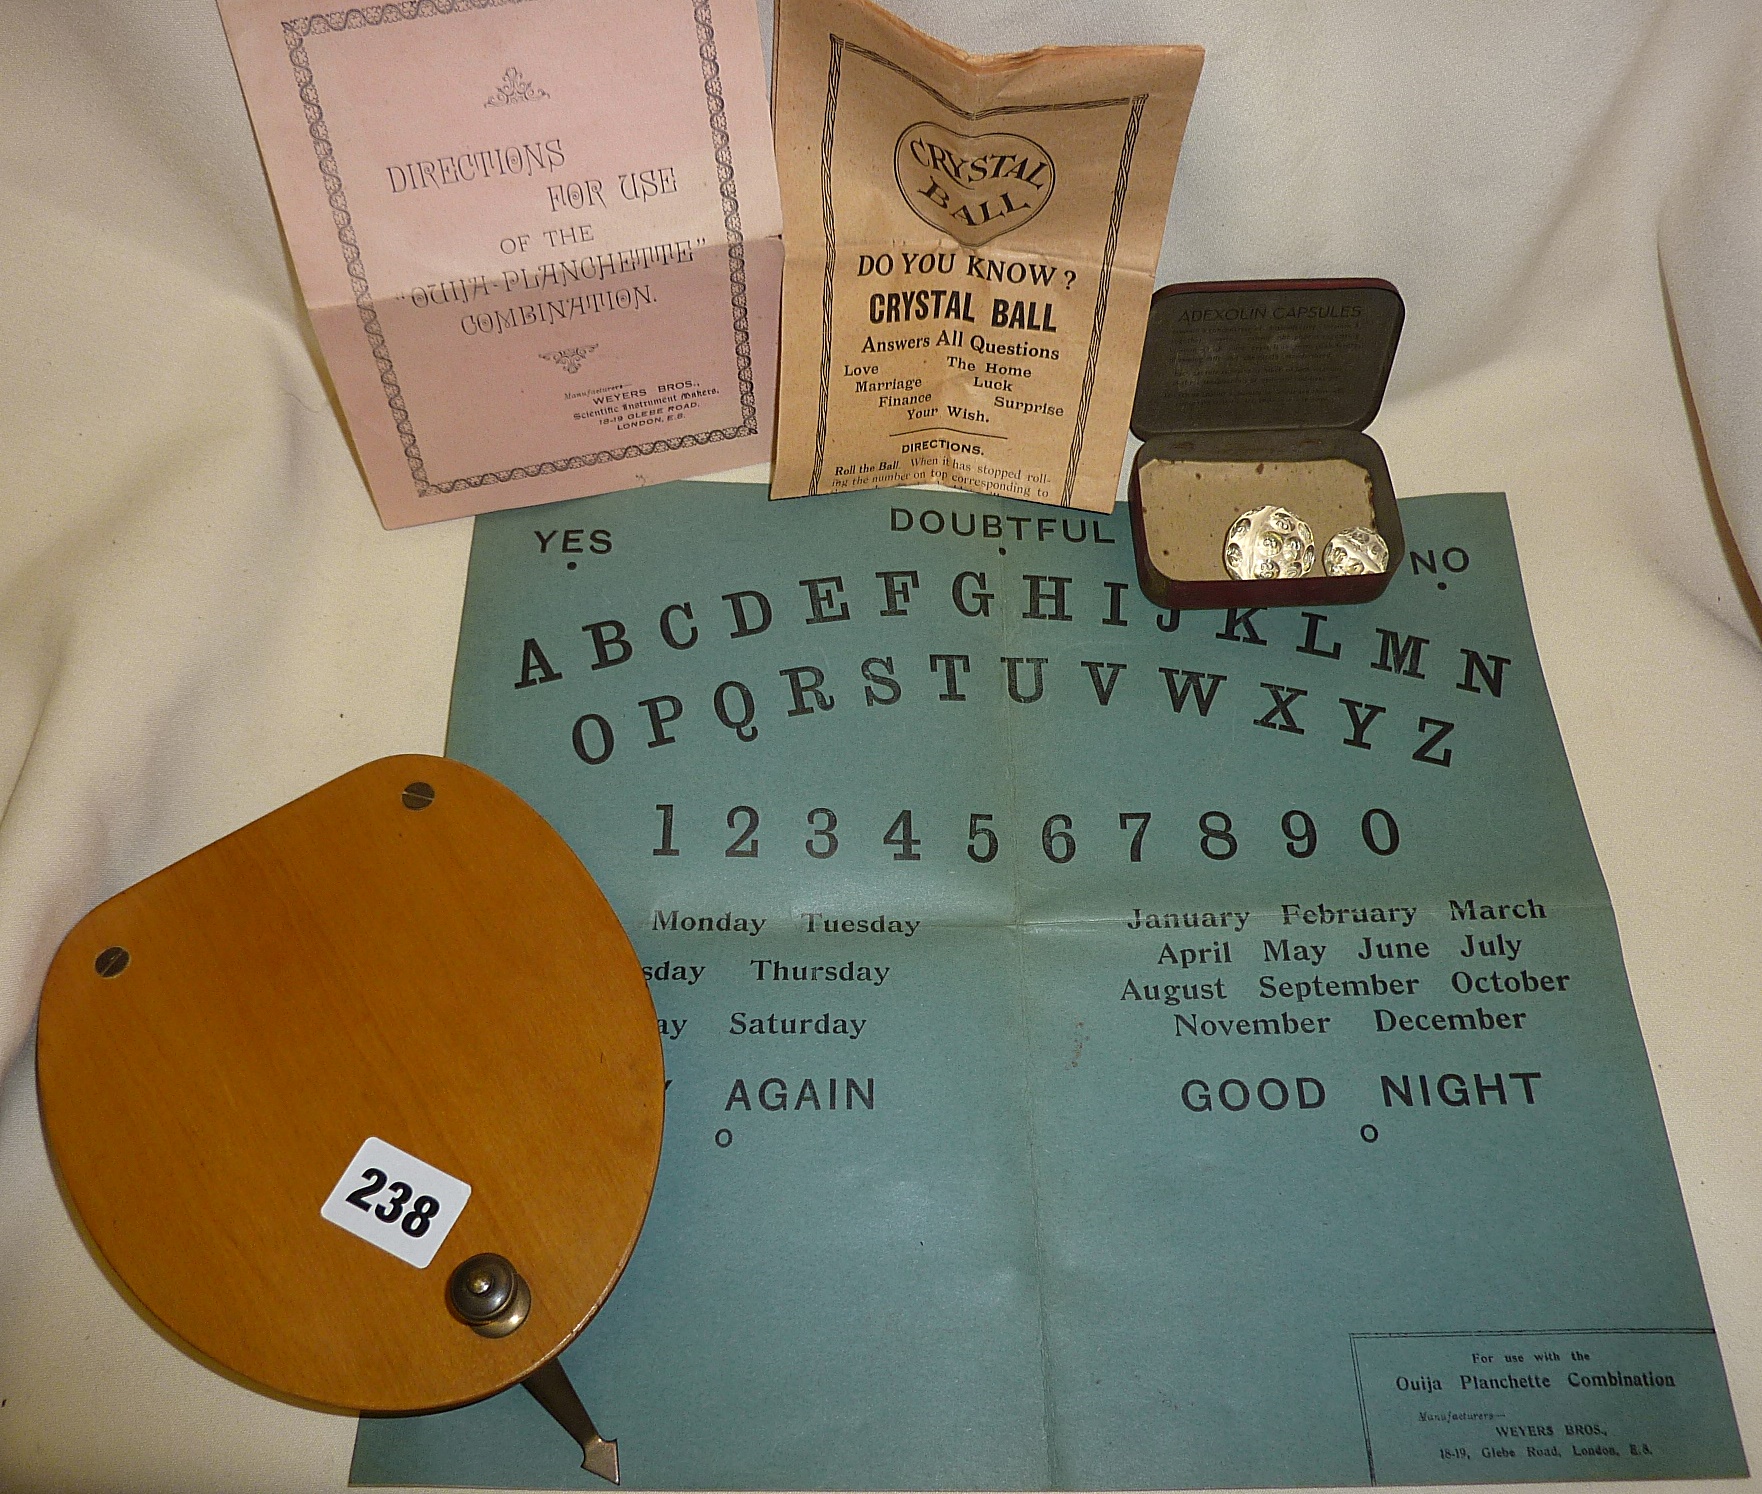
[540, 240]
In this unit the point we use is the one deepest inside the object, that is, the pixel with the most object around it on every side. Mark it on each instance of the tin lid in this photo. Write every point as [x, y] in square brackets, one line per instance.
[1266, 355]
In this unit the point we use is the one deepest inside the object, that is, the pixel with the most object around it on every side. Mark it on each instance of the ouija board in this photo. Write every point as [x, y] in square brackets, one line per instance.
[1107, 1048]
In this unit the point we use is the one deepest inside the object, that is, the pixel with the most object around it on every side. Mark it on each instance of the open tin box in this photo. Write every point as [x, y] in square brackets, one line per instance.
[1254, 394]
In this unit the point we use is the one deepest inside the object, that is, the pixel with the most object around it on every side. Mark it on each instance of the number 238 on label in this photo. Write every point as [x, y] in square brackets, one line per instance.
[395, 1201]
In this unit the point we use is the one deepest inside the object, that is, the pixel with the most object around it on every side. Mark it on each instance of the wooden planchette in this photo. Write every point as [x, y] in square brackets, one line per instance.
[410, 954]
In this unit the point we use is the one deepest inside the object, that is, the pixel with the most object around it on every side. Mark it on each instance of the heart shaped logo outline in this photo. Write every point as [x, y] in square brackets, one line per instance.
[974, 188]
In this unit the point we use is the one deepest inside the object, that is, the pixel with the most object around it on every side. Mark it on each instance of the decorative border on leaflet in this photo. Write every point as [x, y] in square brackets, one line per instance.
[295, 32]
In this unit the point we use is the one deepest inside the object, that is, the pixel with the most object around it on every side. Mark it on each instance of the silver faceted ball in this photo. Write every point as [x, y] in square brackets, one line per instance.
[1269, 544]
[1356, 552]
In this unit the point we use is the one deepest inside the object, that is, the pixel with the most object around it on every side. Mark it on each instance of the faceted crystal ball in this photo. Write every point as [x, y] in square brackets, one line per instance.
[1356, 552]
[1269, 544]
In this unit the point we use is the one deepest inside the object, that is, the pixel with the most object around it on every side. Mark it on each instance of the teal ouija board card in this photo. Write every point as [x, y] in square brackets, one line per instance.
[1107, 1048]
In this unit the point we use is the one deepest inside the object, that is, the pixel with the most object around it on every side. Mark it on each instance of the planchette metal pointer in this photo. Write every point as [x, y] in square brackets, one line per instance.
[549, 1386]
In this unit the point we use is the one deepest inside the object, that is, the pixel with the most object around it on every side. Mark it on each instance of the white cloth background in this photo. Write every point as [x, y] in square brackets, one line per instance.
[200, 617]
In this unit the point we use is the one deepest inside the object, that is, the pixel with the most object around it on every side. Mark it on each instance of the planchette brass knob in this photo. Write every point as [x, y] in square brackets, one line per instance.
[489, 1296]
